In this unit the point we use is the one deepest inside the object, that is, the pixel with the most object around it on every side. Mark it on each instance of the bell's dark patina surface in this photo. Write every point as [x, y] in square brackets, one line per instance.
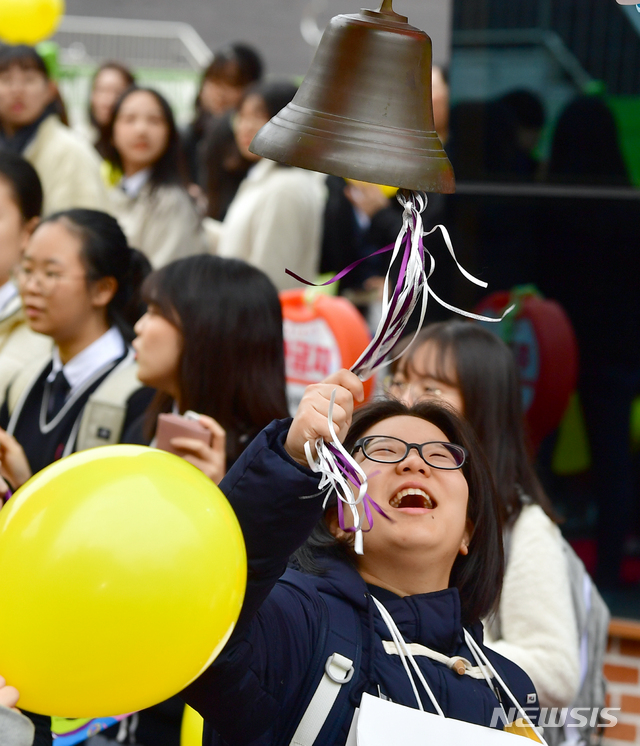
[363, 111]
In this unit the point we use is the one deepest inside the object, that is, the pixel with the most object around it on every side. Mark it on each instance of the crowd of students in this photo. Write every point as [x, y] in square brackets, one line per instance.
[131, 276]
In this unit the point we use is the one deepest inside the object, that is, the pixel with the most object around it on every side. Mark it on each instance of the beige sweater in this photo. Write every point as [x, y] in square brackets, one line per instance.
[274, 222]
[68, 167]
[162, 223]
[535, 625]
[18, 344]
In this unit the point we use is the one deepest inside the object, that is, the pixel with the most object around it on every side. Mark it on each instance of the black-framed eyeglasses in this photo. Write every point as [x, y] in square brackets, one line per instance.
[386, 449]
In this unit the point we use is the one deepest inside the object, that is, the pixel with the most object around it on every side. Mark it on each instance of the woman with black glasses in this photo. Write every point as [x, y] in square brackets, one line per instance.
[431, 569]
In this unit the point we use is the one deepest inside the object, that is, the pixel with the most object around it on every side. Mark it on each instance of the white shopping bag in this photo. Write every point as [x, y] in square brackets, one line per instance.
[379, 722]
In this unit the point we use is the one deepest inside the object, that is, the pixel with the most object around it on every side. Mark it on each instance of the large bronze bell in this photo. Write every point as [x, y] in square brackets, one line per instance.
[364, 111]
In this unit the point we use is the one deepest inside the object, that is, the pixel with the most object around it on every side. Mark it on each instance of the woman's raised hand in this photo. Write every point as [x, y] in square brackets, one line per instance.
[211, 460]
[311, 420]
[8, 695]
[13, 463]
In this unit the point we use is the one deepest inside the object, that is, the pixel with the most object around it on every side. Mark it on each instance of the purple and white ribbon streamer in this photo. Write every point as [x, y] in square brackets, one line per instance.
[338, 469]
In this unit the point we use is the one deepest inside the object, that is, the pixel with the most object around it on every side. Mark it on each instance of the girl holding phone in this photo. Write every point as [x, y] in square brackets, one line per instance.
[211, 342]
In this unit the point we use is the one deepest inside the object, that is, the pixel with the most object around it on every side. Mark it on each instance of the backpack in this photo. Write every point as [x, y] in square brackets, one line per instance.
[592, 617]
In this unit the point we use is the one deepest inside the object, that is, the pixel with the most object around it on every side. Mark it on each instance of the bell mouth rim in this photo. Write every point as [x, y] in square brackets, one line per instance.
[345, 158]
[417, 152]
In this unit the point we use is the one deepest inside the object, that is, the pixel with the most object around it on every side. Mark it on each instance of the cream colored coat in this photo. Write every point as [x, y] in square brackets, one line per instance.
[536, 625]
[162, 223]
[274, 222]
[18, 344]
[68, 167]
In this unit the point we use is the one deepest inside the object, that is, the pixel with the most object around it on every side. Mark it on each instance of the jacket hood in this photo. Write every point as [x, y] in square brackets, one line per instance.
[430, 619]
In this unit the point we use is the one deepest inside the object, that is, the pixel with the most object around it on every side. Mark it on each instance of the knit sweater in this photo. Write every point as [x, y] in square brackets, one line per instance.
[535, 624]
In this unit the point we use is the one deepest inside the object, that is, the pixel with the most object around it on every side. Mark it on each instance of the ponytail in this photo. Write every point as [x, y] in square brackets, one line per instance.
[106, 253]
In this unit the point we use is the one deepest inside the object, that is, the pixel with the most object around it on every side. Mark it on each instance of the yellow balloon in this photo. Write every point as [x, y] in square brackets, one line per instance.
[192, 727]
[122, 574]
[29, 21]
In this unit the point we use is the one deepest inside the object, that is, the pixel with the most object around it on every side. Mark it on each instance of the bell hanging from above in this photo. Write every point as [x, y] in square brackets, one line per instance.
[364, 110]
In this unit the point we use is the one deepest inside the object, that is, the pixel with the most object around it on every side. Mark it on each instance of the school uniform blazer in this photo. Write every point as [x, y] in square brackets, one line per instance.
[250, 694]
[19, 346]
[68, 167]
[274, 222]
[162, 223]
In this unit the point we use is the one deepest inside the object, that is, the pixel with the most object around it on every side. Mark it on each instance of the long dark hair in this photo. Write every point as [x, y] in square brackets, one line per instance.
[170, 167]
[232, 364]
[478, 575]
[24, 183]
[488, 380]
[106, 253]
[103, 141]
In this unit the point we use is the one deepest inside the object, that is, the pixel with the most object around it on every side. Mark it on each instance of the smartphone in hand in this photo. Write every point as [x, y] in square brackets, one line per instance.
[176, 426]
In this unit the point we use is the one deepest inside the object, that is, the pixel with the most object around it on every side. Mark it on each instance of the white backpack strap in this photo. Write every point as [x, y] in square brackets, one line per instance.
[338, 670]
[106, 409]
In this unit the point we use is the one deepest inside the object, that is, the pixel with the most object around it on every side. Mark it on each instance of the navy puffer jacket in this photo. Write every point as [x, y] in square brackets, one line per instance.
[252, 693]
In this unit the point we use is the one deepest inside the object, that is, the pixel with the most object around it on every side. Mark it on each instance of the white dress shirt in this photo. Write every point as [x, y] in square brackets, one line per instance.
[106, 349]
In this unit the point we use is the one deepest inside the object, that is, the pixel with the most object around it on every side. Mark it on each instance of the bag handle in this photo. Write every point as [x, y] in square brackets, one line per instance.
[479, 654]
[480, 657]
[404, 653]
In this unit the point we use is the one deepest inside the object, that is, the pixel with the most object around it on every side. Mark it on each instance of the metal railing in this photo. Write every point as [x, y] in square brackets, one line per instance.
[164, 55]
[139, 44]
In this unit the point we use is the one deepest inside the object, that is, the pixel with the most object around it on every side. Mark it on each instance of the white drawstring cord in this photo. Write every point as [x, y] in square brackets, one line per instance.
[404, 651]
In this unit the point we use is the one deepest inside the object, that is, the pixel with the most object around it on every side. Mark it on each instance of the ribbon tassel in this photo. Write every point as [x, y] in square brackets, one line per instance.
[338, 469]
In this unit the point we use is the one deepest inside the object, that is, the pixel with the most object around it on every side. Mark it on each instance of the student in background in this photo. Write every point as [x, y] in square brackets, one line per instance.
[78, 280]
[151, 202]
[472, 370]
[215, 163]
[210, 342]
[67, 165]
[275, 219]
[223, 84]
[110, 81]
[20, 207]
